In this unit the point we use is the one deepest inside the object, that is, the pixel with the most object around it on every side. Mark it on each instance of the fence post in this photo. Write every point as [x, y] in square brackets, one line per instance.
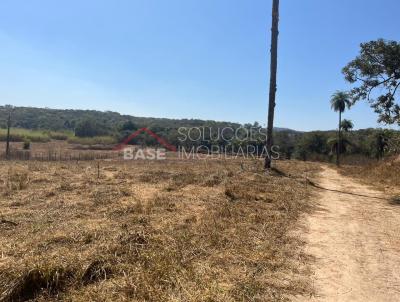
[8, 136]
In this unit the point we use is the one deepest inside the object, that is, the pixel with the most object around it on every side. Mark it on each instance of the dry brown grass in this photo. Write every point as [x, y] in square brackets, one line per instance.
[383, 175]
[152, 231]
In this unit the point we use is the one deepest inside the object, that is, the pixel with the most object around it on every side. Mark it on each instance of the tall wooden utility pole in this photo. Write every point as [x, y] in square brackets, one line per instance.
[8, 135]
[272, 84]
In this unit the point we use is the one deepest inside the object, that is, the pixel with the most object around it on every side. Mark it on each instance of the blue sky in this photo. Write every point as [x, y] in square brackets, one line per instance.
[204, 59]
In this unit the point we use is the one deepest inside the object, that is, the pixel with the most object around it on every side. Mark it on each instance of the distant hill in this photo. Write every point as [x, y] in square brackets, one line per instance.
[279, 129]
[67, 119]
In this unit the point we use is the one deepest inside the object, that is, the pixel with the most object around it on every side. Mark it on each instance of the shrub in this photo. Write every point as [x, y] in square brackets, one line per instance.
[60, 136]
[27, 144]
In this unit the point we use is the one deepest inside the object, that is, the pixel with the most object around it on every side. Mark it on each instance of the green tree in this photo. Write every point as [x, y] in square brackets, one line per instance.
[381, 143]
[377, 68]
[339, 101]
[128, 126]
[333, 144]
[346, 125]
[89, 128]
[311, 144]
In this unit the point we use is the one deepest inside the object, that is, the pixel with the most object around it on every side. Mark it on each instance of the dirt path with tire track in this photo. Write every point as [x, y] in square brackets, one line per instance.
[355, 239]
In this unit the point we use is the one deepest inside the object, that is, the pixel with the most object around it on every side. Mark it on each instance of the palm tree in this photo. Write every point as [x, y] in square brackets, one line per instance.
[272, 83]
[339, 101]
[346, 125]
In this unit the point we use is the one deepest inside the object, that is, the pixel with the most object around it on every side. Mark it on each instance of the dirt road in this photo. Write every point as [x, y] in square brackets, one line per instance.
[355, 240]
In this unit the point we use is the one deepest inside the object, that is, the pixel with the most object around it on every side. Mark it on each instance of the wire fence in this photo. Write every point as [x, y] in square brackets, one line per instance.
[25, 155]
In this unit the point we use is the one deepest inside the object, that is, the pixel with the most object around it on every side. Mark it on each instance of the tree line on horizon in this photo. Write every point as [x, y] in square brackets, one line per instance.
[85, 126]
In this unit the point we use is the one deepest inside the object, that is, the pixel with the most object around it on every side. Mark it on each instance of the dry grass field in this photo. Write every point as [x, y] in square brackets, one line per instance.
[383, 174]
[152, 231]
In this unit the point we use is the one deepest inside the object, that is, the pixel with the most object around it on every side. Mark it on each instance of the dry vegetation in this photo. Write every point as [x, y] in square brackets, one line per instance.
[383, 174]
[58, 150]
[152, 231]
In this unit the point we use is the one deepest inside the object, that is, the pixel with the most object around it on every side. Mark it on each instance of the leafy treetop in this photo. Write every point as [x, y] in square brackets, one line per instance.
[377, 68]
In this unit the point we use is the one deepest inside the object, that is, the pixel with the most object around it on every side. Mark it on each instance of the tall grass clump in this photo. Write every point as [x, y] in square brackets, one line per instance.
[96, 140]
